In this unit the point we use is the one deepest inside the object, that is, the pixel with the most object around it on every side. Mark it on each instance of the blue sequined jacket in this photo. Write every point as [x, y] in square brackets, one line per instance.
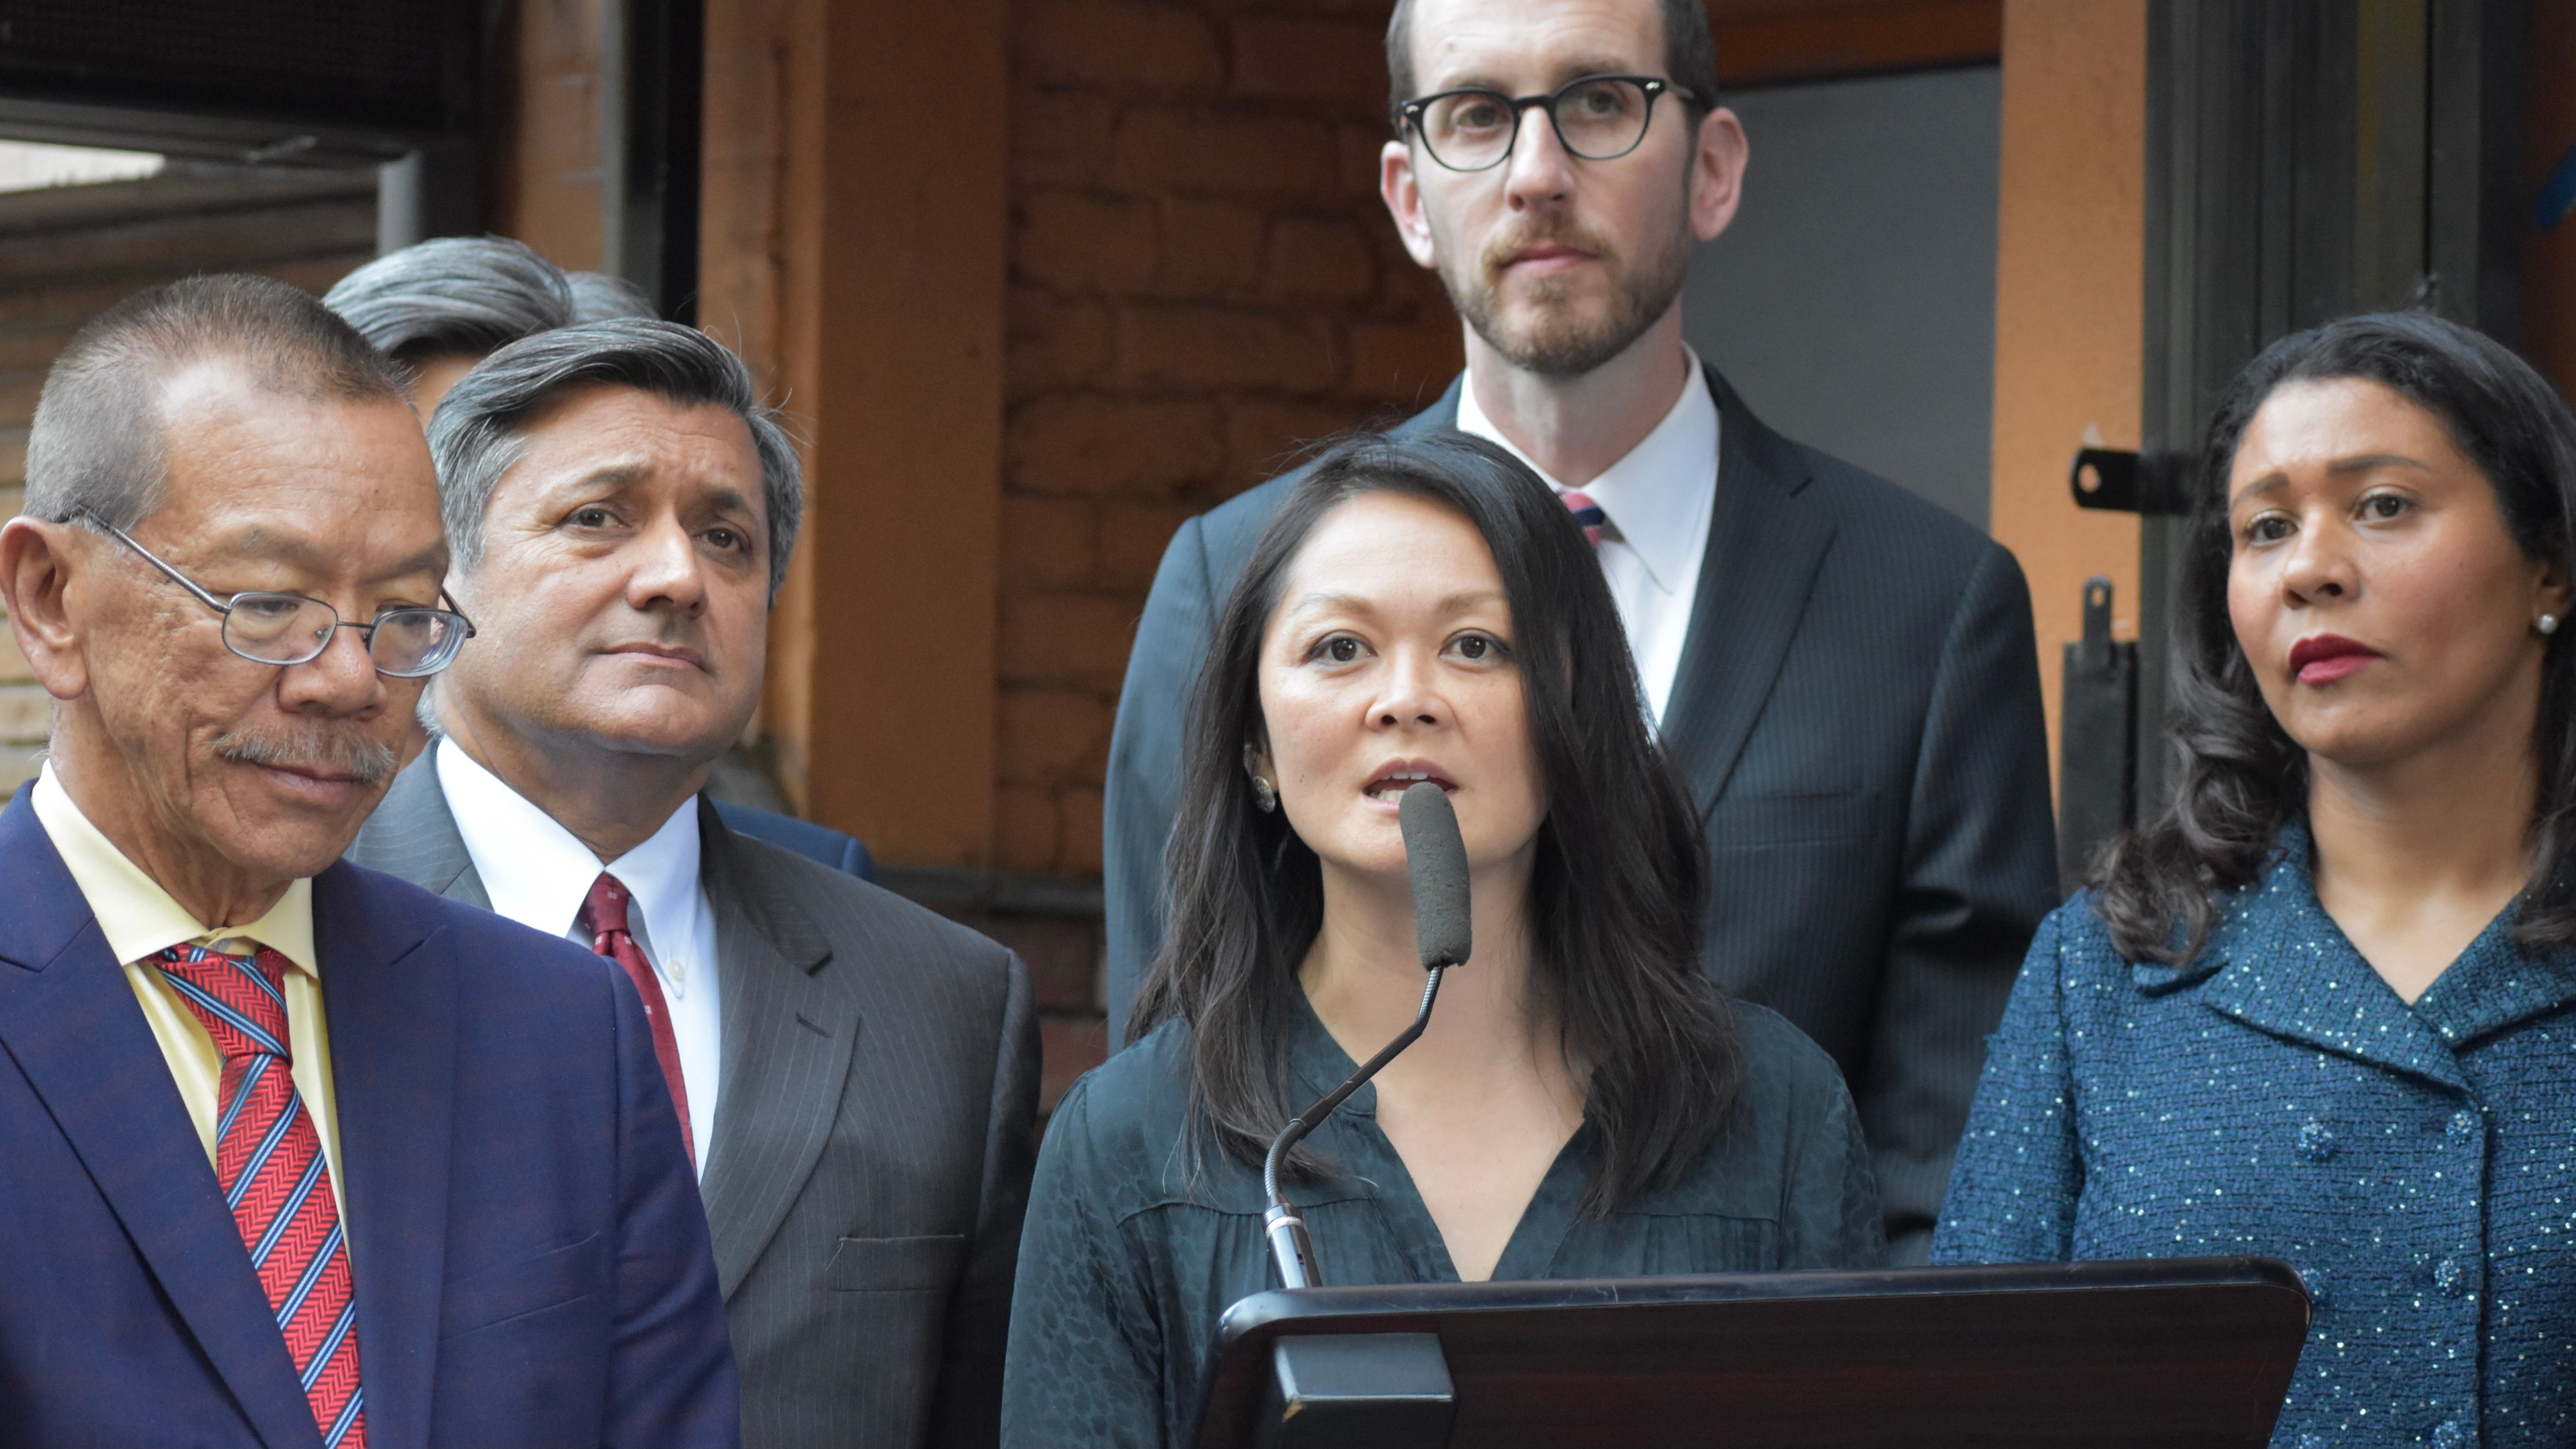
[2417, 1165]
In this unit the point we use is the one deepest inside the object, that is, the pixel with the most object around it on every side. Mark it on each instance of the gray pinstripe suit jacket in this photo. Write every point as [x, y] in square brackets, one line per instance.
[872, 1141]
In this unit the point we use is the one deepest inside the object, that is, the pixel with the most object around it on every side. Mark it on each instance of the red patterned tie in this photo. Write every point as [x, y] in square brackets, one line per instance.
[603, 918]
[275, 1179]
[1586, 512]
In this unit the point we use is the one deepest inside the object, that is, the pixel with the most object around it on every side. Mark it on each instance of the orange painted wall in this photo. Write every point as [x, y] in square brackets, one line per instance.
[2069, 299]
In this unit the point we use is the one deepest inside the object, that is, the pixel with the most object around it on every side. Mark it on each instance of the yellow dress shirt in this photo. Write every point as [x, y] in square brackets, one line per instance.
[140, 921]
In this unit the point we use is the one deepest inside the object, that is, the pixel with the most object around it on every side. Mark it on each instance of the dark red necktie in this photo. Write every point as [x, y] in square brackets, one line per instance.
[269, 1162]
[603, 917]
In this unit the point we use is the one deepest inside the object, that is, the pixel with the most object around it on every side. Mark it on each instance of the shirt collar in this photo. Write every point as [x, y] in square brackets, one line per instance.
[1657, 495]
[141, 920]
[539, 874]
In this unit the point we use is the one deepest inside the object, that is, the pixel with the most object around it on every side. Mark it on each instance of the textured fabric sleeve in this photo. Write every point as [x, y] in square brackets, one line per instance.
[1142, 790]
[1086, 1358]
[1831, 1217]
[671, 1380]
[2012, 1196]
[968, 1410]
[1980, 870]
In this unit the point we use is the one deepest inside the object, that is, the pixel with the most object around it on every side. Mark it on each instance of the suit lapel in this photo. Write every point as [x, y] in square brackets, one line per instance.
[70, 1022]
[413, 835]
[393, 1072]
[789, 1031]
[1765, 544]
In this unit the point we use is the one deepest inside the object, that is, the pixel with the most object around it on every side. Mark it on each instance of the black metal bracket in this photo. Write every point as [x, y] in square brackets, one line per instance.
[1358, 1391]
[2097, 754]
[2157, 485]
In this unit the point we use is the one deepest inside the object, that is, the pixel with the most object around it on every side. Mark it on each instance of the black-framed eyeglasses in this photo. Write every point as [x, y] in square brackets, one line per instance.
[409, 641]
[1597, 117]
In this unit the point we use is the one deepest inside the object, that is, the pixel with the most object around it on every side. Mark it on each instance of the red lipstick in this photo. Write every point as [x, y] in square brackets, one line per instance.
[2325, 658]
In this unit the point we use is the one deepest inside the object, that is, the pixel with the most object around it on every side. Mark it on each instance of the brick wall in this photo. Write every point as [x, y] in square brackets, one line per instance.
[68, 253]
[1201, 279]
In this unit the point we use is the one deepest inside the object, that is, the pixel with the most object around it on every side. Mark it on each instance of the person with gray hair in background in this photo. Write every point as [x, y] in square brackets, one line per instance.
[440, 306]
[856, 1076]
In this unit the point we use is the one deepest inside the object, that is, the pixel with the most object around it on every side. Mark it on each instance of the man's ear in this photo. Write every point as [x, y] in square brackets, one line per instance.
[36, 564]
[1402, 192]
[1717, 173]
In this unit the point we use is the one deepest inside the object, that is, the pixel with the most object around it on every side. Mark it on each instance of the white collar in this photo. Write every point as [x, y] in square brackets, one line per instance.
[538, 873]
[1658, 494]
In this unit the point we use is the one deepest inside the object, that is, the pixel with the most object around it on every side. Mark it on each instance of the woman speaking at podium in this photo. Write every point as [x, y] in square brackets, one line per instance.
[1583, 1104]
[2325, 1009]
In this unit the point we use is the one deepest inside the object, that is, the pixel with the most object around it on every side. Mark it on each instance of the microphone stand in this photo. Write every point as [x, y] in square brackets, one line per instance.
[1290, 1244]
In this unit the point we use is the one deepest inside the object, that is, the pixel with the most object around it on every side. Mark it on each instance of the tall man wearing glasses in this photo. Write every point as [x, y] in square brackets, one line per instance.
[293, 1152]
[1844, 675]
[856, 1077]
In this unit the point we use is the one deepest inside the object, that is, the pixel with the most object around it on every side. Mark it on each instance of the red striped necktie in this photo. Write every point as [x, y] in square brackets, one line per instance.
[269, 1162]
[603, 919]
[1587, 513]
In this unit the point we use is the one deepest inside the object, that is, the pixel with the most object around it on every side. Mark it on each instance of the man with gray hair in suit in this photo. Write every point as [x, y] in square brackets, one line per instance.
[440, 306]
[856, 1077]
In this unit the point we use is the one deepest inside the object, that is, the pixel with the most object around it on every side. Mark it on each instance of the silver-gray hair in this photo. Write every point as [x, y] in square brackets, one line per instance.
[454, 296]
[475, 434]
[598, 297]
[96, 441]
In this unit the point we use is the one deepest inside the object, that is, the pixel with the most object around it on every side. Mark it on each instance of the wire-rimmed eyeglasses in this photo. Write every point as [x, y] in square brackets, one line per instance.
[1597, 117]
[408, 641]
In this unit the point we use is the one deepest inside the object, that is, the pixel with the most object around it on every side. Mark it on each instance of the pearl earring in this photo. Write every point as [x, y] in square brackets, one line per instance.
[1264, 795]
[2548, 624]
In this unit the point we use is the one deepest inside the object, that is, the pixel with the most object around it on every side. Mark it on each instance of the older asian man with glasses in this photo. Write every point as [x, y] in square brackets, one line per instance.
[294, 1153]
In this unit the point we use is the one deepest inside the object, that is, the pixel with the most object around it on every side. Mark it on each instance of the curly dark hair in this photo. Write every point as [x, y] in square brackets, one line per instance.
[1618, 891]
[2242, 777]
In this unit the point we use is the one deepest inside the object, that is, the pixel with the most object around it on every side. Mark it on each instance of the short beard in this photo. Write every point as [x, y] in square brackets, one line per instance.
[1556, 344]
[325, 749]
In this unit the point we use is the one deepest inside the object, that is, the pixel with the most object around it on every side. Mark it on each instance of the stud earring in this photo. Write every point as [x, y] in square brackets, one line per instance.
[2548, 624]
[1264, 795]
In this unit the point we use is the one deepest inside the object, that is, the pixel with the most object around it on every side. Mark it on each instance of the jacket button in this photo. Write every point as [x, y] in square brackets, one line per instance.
[2316, 1144]
[2464, 1125]
[2448, 1276]
[2449, 1435]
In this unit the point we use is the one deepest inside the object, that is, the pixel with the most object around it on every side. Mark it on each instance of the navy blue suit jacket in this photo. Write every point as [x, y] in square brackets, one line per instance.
[819, 843]
[531, 1261]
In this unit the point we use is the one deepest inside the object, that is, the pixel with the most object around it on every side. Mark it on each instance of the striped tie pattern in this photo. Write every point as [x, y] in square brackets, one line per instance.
[269, 1161]
[1587, 513]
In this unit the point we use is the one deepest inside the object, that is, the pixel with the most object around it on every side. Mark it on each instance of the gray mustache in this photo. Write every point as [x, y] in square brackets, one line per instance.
[325, 751]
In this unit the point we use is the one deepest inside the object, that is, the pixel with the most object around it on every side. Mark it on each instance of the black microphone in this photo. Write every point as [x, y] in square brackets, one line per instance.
[1435, 861]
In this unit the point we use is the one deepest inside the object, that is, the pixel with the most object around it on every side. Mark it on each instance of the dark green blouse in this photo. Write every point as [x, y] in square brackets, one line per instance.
[1135, 1245]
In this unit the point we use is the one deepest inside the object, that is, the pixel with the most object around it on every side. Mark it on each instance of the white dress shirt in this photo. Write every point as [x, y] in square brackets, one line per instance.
[1655, 502]
[539, 874]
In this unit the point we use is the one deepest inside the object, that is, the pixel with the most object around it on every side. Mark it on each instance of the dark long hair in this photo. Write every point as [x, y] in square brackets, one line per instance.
[1618, 890]
[2242, 776]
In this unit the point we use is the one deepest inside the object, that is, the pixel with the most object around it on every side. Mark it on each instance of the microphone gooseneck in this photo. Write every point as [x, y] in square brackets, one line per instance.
[1435, 862]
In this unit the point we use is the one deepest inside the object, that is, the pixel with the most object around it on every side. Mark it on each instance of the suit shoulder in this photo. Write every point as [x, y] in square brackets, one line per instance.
[1229, 530]
[469, 939]
[845, 906]
[1894, 524]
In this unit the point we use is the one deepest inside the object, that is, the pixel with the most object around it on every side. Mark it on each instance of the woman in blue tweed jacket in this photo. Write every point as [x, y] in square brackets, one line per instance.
[2325, 1008]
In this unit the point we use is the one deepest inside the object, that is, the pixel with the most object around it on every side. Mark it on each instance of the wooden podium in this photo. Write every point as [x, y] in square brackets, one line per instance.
[2179, 1352]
